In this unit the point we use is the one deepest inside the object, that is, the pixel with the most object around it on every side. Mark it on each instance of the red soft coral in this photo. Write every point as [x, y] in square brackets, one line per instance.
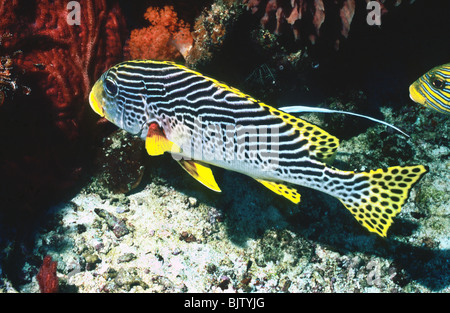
[167, 37]
[47, 279]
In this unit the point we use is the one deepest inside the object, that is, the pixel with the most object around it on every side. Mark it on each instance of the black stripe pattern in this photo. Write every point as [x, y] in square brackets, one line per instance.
[220, 125]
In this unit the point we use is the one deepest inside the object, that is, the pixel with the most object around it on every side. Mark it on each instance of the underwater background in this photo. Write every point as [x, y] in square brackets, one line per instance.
[83, 208]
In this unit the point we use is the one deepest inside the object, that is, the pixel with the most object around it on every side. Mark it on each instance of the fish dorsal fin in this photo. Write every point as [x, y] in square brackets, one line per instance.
[200, 172]
[320, 144]
[157, 143]
[282, 190]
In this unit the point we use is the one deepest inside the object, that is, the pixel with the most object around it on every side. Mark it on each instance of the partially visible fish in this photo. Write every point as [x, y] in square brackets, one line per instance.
[433, 89]
[203, 122]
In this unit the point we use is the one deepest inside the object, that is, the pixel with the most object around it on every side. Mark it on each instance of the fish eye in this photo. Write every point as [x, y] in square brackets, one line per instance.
[111, 87]
[438, 83]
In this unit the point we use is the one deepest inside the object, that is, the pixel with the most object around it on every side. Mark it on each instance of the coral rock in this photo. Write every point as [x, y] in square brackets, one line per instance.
[211, 30]
[120, 163]
[65, 59]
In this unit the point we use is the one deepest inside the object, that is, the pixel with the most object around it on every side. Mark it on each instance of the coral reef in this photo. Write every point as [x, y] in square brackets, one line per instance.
[171, 234]
[311, 19]
[48, 66]
[211, 29]
[119, 164]
[8, 81]
[167, 37]
[47, 278]
[48, 42]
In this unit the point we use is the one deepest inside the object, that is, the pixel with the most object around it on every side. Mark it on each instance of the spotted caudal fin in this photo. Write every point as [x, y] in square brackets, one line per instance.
[377, 196]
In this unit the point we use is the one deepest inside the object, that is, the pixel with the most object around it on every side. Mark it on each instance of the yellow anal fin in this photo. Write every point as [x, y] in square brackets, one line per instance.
[156, 142]
[200, 172]
[282, 190]
[320, 143]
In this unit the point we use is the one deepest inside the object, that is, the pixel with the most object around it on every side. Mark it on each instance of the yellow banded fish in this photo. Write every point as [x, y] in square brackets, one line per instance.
[204, 122]
[433, 89]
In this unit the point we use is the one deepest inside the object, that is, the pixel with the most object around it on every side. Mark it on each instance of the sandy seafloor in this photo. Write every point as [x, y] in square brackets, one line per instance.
[173, 235]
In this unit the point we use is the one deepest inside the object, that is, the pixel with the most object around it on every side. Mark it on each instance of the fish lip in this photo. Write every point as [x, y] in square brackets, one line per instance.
[416, 96]
[94, 103]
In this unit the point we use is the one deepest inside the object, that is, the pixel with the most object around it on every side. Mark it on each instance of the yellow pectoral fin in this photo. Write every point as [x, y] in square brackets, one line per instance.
[282, 190]
[157, 145]
[156, 142]
[200, 172]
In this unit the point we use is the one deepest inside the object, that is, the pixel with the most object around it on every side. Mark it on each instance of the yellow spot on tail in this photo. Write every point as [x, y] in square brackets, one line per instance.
[282, 190]
[200, 172]
[388, 190]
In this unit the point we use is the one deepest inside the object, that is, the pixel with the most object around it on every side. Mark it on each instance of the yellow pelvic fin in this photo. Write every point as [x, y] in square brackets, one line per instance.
[320, 144]
[200, 172]
[156, 142]
[386, 191]
[282, 190]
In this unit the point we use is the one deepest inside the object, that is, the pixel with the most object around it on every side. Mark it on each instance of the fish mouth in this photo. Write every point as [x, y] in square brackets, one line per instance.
[94, 96]
[415, 94]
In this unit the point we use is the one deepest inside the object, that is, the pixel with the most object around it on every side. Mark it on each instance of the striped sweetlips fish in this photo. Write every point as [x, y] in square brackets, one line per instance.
[203, 122]
[432, 89]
